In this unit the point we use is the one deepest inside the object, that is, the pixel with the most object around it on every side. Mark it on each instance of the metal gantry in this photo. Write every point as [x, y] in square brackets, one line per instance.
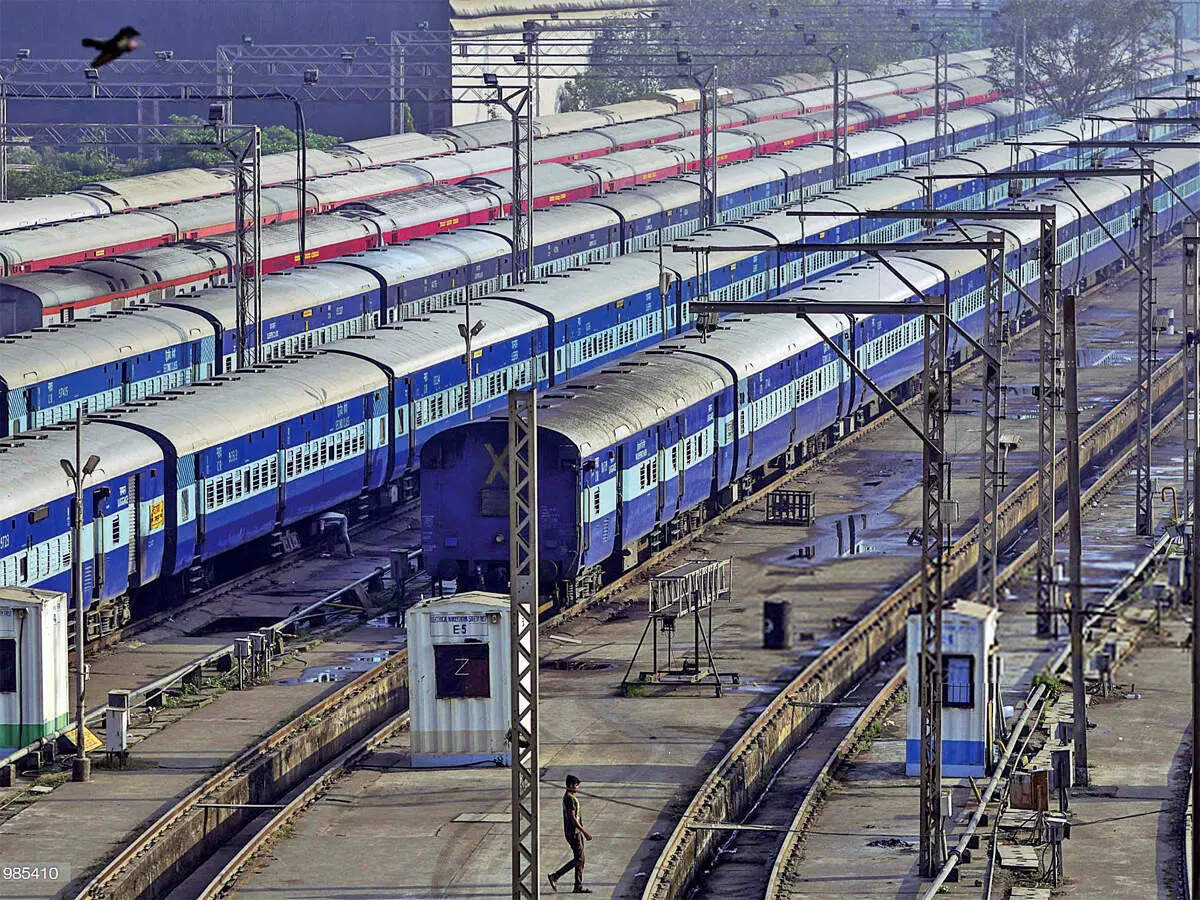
[1191, 326]
[1048, 389]
[839, 61]
[523, 568]
[706, 83]
[1145, 354]
[934, 491]
[517, 102]
[935, 388]
[987, 561]
[937, 323]
[1075, 539]
[992, 351]
[941, 105]
[246, 153]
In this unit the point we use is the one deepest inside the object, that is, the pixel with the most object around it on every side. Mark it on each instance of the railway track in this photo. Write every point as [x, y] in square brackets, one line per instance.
[789, 851]
[738, 781]
[115, 636]
[315, 787]
[217, 812]
[1101, 437]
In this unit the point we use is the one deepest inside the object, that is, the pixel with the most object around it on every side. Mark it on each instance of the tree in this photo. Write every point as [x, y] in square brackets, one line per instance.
[274, 139]
[1079, 50]
[752, 41]
[50, 171]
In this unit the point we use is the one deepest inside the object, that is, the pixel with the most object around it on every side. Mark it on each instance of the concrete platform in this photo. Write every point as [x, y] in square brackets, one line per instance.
[80, 826]
[442, 833]
[1127, 827]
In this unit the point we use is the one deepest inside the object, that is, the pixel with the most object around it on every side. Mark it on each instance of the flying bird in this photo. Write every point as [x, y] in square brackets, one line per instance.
[115, 47]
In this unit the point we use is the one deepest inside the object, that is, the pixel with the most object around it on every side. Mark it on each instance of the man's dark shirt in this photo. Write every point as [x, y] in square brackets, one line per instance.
[571, 814]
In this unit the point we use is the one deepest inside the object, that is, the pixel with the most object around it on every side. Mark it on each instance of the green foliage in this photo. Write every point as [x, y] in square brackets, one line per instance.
[51, 171]
[1054, 686]
[636, 57]
[275, 139]
[1077, 50]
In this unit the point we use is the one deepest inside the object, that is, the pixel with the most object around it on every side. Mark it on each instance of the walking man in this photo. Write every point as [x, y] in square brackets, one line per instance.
[576, 834]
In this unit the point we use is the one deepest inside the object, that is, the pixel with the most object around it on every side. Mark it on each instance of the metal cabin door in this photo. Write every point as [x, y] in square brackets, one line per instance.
[369, 426]
[134, 550]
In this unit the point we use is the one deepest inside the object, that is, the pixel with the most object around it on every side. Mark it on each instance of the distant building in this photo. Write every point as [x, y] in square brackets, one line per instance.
[193, 30]
[502, 22]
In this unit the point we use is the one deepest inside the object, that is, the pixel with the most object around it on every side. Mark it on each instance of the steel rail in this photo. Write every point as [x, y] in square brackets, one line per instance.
[816, 790]
[96, 887]
[877, 630]
[317, 784]
[814, 793]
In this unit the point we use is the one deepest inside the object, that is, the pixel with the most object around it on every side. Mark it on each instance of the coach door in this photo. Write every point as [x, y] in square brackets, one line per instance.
[845, 373]
[133, 527]
[678, 453]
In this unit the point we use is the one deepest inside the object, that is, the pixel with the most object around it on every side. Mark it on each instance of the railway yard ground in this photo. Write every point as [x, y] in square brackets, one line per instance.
[279, 745]
[1126, 826]
[445, 833]
[193, 734]
[641, 756]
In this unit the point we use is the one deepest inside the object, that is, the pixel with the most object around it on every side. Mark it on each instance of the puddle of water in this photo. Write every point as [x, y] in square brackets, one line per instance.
[354, 666]
[389, 620]
[236, 624]
[577, 665]
[1104, 356]
[755, 687]
[843, 717]
[853, 534]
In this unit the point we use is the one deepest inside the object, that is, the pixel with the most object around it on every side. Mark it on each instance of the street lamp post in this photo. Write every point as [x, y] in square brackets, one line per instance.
[706, 84]
[81, 767]
[469, 332]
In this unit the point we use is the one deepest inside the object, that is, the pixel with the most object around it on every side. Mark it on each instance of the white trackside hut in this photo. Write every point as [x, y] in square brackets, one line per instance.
[458, 680]
[970, 679]
[33, 666]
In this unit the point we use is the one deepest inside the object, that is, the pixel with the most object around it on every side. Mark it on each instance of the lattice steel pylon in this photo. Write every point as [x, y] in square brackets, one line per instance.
[1191, 326]
[839, 58]
[706, 83]
[247, 199]
[989, 448]
[523, 566]
[933, 493]
[1047, 619]
[518, 102]
[941, 112]
[1145, 354]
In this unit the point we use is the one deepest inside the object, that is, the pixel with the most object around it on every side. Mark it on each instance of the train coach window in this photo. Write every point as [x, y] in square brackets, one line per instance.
[39, 514]
[8, 666]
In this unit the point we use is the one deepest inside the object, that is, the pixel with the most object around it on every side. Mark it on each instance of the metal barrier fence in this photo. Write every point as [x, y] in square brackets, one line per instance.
[192, 670]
